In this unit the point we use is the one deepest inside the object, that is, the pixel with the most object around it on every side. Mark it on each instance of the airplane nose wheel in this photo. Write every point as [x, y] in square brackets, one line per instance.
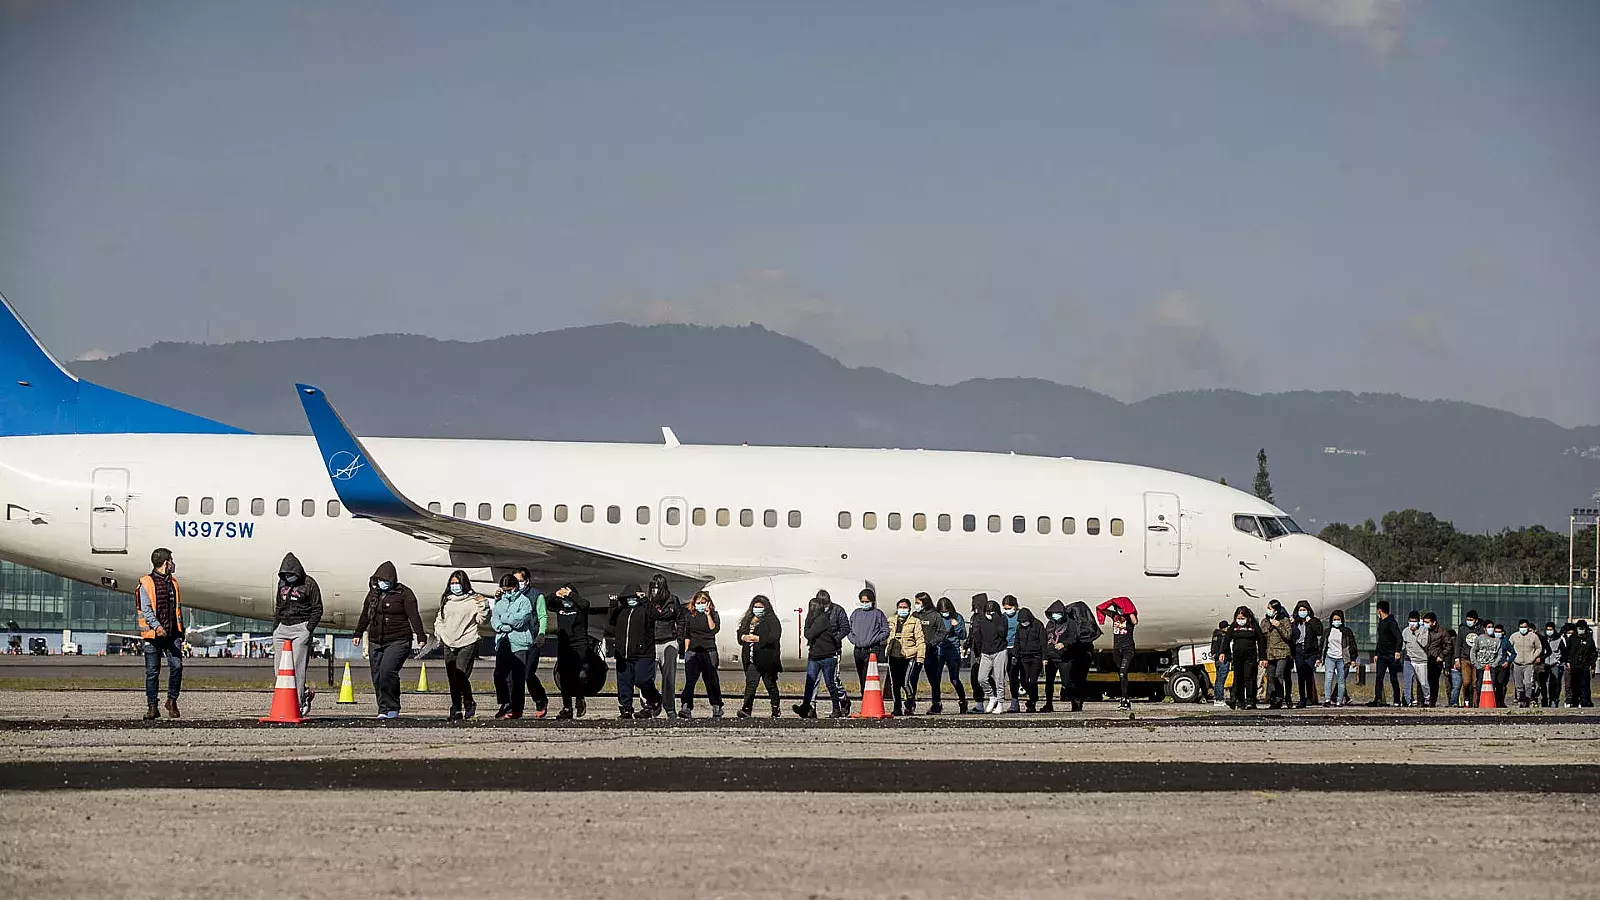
[1183, 686]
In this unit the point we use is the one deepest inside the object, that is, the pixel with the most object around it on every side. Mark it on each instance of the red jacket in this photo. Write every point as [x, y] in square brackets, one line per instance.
[1115, 604]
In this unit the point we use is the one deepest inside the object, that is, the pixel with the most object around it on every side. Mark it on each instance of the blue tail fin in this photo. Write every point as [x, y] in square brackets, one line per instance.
[39, 396]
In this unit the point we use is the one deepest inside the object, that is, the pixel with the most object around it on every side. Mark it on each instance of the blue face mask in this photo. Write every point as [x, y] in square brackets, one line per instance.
[866, 605]
[1058, 616]
[1338, 622]
[945, 615]
[1304, 613]
[902, 612]
[457, 589]
[291, 578]
[1522, 629]
[633, 601]
[758, 611]
[1011, 613]
[565, 602]
[384, 585]
[699, 607]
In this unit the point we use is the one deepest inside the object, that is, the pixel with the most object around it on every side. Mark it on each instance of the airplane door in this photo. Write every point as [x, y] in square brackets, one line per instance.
[108, 516]
[673, 523]
[1162, 540]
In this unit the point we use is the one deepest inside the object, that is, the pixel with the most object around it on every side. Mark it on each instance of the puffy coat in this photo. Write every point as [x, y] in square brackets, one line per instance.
[459, 619]
[905, 638]
[512, 621]
[1280, 638]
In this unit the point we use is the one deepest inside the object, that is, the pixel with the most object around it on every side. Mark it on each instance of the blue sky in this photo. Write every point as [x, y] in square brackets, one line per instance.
[1372, 195]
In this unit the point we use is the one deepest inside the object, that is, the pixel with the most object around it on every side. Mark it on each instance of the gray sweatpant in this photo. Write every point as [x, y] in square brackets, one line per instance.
[667, 656]
[992, 674]
[1527, 683]
[301, 650]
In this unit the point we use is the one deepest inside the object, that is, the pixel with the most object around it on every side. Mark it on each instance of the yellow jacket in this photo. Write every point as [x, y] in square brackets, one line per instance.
[905, 637]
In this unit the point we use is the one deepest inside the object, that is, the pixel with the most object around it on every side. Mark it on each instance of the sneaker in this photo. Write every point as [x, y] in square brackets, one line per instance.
[685, 712]
[391, 714]
[566, 713]
[625, 714]
[455, 714]
[470, 711]
[305, 704]
[743, 714]
[934, 709]
[581, 708]
[538, 713]
[716, 712]
[774, 710]
[1124, 706]
[514, 715]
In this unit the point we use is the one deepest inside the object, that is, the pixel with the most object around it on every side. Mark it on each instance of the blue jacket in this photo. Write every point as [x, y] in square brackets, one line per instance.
[957, 635]
[869, 628]
[1011, 630]
[512, 619]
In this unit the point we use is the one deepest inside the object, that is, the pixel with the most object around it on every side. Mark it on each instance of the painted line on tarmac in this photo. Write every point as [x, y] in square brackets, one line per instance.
[785, 775]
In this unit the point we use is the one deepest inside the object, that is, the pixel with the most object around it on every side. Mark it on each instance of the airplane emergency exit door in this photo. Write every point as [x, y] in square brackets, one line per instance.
[1163, 540]
[108, 512]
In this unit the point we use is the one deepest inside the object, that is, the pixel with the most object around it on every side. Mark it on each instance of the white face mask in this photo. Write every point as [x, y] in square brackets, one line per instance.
[1241, 621]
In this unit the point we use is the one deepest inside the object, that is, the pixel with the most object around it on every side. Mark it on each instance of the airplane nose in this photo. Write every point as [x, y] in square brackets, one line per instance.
[1346, 580]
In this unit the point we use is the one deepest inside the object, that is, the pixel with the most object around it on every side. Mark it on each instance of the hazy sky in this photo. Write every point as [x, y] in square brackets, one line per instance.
[1373, 195]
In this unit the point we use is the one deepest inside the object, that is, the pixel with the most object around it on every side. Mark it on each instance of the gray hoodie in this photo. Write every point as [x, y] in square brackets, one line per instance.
[1485, 650]
[1414, 641]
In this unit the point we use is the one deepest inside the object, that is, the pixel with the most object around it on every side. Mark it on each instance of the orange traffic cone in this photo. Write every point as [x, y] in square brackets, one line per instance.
[872, 694]
[1486, 689]
[285, 696]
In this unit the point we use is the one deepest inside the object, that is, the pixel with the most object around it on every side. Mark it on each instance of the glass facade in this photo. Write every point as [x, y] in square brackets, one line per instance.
[36, 601]
[1504, 603]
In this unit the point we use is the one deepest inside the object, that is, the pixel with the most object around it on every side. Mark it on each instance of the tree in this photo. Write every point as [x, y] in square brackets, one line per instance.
[1263, 480]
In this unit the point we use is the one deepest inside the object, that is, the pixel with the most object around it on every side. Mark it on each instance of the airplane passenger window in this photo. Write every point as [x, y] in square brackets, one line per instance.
[181, 507]
[869, 520]
[1044, 524]
[333, 509]
[747, 517]
[207, 505]
[794, 518]
[844, 519]
[894, 521]
[1019, 525]
[586, 514]
[1069, 525]
[614, 515]
[283, 507]
[258, 507]
[434, 507]
[1116, 528]
[919, 521]
[1092, 526]
[485, 510]
[231, 507]
[1246, 524]
[944, 521]
[1272, 528]
[308, 508]
[770, 518]
[674, 515]
[560, 512]
[642, 515]
[459, 510]
[969, 522]
[535, 512]
[994, 524]
[723, 518]
[509, 512]
[698, 517]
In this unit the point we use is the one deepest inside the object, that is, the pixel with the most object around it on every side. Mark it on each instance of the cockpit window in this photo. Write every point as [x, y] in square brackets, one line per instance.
[1273, 530]
[1292, 525]
[1247, 524]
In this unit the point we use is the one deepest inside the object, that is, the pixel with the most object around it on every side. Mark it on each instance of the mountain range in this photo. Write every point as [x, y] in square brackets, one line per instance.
[1334, 456]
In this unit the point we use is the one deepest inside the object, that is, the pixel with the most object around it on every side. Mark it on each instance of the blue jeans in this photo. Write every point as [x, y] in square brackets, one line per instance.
[640, 672]
[828, 669]
[1219, 687]
[1334, 673]
[946, 659]
[154, 650]
[1455, 686]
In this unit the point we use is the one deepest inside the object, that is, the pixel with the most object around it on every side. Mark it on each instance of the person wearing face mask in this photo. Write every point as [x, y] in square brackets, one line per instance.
[760, 642]
[1280, 657]
[980, 603]
[1308, 637]
[905, 647]
[1452, 674]
[671, 620]
[1387, 655]
[512, 621]
[1580, 656]
[700, 654]
[160, 617]
[869, 632]
[633, 622]
[1438, 648]
[946, 656]
[1502, 672]
[1054, 650]
[392, 628]
[1467, 670]
[1554, 667]
[295, 618]
[1219, 657]
[1414, 643]
[1124, 616]
[574, 647]
[1275, 611]
[1011, 610]
[461, 612]
[822, 659]
[1029, 649]
[933, 631]
[1078, 637]
[1246, 645]
[1527, 652]
[1486, 651]
[538, 626]
[1340, 650]
[989, 646]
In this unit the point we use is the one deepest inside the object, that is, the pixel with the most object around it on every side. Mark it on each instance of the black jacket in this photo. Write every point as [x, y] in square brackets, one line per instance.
[1219, 643]
[1054, 630]
[300, 602]
[1463, 650]
[1082, 630]
[988, 634]
[1246, 642]
[389, 615]
[1350, 648]
[1580, 651]
[634, 628]
[766, 654]
[1030, 636]
[1315, 635]
[821, 637]
[702, 628]
[1388, 637]
[572, 621]
[671, 619]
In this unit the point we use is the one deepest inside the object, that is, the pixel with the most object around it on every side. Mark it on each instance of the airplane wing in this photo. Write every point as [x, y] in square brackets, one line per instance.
[368, 493]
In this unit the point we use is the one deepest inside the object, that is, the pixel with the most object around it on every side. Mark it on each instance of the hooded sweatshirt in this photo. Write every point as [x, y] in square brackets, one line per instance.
[1030, 636]
[1054, 629]
[869, 628]
[988, 631]
[390, 615]
[1414, 642]
[634, 625]
[460, 615]
[819, 629]
[299, 598]
[572, 622]
[934, 628]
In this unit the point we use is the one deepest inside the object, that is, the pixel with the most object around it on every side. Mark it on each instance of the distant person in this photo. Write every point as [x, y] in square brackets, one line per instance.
[933, 631]
[1439, 648]
[461, 612]
[1502, 672]
[574, 646]
[1451, 675]
[1580, 654]
[980, 604]
[1387, 655]
[905, 648]
[393, 628]
[537, 625]
[1010, 608]
[869, 633]
[947, 657]
[1246, 645]
[700, 654]
[760, 650]
[1486, 651]
[1308, 639]
[1030, 655]
[1219, 657]
[1054, 665]
[823, 644]
[1527, 653]
[633, 620]
[988, 635]
[1079, 636]
[1414, 644]
[160, 618]
[295, 618]
[1124, 617]
[1554, 667]
[1274, 608]
[1466, 639]
[1279, 632]
[671, 624]
[1340, 650]
[512, 621]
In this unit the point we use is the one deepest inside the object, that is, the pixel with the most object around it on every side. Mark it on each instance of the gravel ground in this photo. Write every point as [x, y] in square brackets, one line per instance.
[708, 846]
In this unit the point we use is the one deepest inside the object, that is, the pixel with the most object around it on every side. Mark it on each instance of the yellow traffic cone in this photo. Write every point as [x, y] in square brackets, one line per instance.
[347, 690]
[422, 680]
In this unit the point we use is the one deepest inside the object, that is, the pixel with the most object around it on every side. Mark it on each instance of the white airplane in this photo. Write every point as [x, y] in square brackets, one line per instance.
[93, 480]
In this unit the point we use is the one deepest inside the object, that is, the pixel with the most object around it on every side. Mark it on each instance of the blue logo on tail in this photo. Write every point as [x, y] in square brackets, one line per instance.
[344, 465]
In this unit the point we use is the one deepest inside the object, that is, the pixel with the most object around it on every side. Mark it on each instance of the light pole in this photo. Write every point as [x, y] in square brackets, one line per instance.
[1583, 515]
